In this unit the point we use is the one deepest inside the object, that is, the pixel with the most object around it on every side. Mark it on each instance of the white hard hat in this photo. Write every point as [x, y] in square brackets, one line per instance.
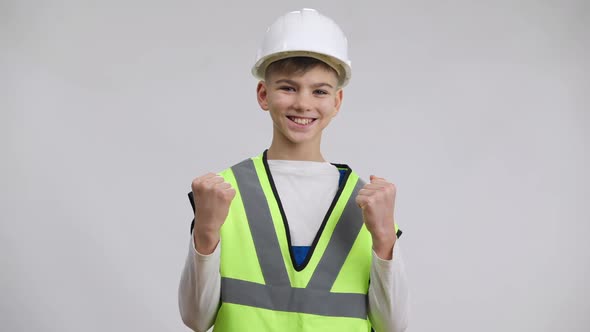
[308, 33]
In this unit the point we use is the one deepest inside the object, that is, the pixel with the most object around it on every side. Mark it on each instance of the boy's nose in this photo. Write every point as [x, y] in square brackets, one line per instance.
[302, 103]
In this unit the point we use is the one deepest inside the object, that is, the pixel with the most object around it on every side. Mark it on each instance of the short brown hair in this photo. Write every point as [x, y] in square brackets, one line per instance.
[298, 65]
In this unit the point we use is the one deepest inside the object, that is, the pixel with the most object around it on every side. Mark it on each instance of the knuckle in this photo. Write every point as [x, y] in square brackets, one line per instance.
[390, 188]
[219, 193]
[196, 182]
[204, 186]
[229, 195]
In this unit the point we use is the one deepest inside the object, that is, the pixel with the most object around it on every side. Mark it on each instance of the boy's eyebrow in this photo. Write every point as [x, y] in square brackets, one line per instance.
[317, 85]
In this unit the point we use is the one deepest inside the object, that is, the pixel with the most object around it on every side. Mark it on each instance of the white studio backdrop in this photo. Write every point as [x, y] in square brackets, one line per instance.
[477, 110]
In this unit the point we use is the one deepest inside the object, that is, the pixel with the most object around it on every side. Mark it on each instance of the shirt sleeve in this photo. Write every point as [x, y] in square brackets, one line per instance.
[388, 293]
[200, 289]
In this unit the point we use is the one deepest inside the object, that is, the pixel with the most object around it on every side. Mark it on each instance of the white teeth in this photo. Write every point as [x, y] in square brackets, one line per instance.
[301, 121]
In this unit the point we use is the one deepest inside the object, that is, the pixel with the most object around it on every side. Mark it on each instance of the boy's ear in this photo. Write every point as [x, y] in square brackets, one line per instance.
[338, 101]
[261, 95]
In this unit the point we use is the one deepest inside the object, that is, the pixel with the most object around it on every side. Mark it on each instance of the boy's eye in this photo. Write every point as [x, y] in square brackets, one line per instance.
[287, 88]
[321, 92]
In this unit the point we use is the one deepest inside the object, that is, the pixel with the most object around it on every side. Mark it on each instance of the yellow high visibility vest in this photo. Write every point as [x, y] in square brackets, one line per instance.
[262, 289]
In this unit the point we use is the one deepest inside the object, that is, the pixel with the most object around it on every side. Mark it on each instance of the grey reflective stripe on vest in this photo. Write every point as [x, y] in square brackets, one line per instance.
[285, 298]
[261, 224]
[346, 231]
[277, 294]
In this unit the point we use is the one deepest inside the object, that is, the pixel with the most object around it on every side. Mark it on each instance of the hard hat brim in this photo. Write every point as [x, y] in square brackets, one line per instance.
[342, 68]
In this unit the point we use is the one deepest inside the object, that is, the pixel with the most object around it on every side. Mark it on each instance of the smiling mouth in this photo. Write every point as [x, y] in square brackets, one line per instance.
[301, 121]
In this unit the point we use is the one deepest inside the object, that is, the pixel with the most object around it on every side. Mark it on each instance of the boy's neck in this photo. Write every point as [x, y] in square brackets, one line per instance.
[305, 152]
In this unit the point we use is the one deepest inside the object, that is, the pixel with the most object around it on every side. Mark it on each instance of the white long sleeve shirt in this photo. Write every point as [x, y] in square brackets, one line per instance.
[306, 190]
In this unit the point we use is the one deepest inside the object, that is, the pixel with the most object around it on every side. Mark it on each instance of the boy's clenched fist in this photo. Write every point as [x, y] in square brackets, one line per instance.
[212, 196]
[377, 200]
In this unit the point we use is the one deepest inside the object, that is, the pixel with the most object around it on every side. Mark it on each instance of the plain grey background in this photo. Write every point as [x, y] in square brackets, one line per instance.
[477, 110]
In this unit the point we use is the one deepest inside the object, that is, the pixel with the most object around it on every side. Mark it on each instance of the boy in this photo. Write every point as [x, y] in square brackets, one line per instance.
[286, 241]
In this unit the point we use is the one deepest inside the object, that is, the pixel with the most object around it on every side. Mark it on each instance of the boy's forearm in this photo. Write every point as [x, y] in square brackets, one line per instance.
[199, 290]
[388, 294]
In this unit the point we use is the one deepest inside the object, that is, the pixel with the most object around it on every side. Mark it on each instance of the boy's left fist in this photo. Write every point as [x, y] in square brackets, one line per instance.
[377, 200]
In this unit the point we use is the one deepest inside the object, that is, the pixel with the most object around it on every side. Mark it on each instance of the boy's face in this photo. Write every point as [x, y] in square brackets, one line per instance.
[300, 105]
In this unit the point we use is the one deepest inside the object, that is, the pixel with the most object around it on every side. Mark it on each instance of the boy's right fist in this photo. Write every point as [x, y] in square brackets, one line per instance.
[212, 196]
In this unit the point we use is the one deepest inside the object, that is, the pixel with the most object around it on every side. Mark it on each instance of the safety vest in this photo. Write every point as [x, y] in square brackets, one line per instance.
[262, 289]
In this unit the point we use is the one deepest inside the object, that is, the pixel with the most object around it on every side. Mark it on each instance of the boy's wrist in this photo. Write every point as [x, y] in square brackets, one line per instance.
[206, 240]
[383, 246]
